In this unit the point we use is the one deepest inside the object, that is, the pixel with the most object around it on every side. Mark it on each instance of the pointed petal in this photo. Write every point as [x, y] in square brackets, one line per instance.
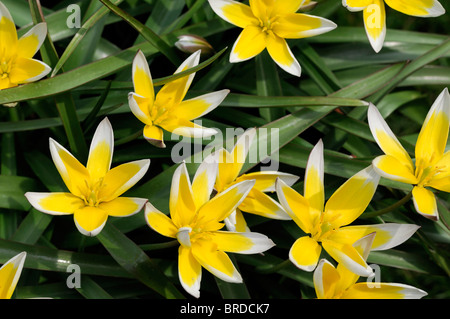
[299, 25]
[27, 70]
[425, 202]
[121, 178]
[8, 33]
[154, 135]
[375, 24]
[296, 206]
[4, 12]
[10, 274]
[204, 179]
[242, 243]
[418, 8]
[139, 106]
[390, 167]
[173, 92]
[351, 199]
[325, 279]
[31, 41]
[189, 271]
[142, 79]
[305, 253]
[123, 206]
[265, 180]
[90, 220]
[55, 203]
[235, 222]
[215, 261]
[386, 139]
[348, 256]
[230, 164]
[282, 55]
[201, 105]
[441, 180]
[313, 185]
[182, 206]
[364, 290]
[289, 7]
[224, 203]
[101, 151]
[250, 43]
[233, 12]
[356, 5]
[73, 173]
[186, 128]
[387, 235]
[261, 204]
[433, 136]
[159, 222]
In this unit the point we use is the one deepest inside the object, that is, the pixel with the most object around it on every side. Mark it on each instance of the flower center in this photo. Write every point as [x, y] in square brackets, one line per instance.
[267, 25]
[92, 198]
[425, 174]
[5, 68]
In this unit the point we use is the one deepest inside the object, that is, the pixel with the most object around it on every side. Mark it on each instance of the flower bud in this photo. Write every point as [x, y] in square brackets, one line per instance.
[190, 43]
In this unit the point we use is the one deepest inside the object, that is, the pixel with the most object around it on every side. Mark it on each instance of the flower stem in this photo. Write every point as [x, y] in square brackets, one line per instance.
[390, 208]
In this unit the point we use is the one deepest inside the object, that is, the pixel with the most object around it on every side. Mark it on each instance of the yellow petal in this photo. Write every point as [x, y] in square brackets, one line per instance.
[121, 178]
[224, 203]
[189, 271]
[282, 54]
[297, 207]
[142, 78]
[236, 222]
[348, 256]
[215, 261]
[31, 41]
[418, 8]
[425, 202]
[314, 191]
[287, 7]
[10, 274]
[433, 136]
[299, 25]
[250, 43]
[182, 205]
[27, 70]
[375, 24]
[387, 235]
[233, 12]
[159, 222]
[356, 5]
[386, 138]
[173, 92]
[101, 150]
[242, 243]
[140, 106]
[55, 203]
[90, 220]
[391, 168]
[74, 174]
[364, 290]
[199, 106]
[305, 253]
[187, 128]
[351, 199]
[123, 206]
[325, 279]
[261, 204]
[265, 180]
[8, 34]
[203, 182]
[154, 135]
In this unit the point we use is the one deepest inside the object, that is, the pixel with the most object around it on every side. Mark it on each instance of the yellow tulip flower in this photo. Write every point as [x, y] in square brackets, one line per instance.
[195, 221]
[256, 202]
[431, 167]
[324, 223]
[374, 14]
[94, 190]
[16, 63]
[167, 110]
[339, 283]
[267, 24]
[10, 274]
